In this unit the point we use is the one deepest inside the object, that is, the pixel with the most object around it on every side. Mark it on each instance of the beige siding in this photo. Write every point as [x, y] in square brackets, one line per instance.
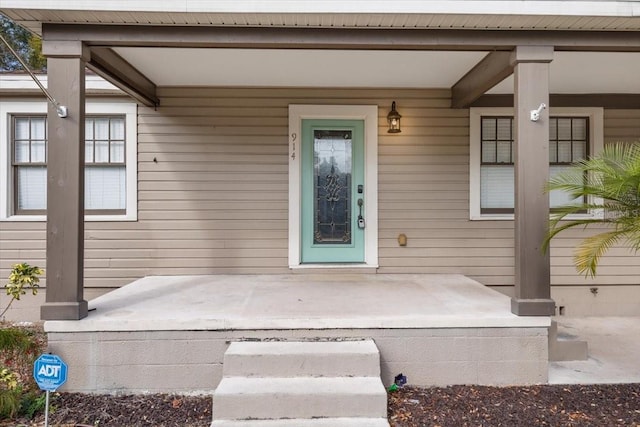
[621, 125]
[213, 182]
[424, 193]
[619, 266]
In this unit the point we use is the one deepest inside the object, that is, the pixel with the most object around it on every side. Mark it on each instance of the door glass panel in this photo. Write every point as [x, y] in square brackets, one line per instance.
[332, 153]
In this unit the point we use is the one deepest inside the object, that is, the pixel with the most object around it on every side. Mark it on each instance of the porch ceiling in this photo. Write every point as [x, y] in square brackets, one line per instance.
[571, 72]
[300, 67]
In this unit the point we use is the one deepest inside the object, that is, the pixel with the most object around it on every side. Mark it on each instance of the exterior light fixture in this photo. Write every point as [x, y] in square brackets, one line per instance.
[394, 119]
[535, 114]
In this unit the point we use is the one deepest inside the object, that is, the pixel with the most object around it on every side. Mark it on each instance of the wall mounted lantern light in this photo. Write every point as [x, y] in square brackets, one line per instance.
[394, 119]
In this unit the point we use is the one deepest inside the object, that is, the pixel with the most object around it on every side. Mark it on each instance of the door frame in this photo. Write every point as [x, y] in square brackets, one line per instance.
[367, 113]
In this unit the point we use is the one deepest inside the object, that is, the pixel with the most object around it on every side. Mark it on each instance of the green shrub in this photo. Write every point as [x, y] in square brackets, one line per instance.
[22, 276]
[32, 403]
[9, 394]
[18, 350]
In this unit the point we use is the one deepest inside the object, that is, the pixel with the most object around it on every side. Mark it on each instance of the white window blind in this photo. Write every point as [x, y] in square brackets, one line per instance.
[104, 188]
[496, 187]
[32, 188]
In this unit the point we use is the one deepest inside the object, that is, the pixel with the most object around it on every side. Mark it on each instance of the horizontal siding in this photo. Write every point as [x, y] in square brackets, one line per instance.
[619, 265]
[621, 125]
[424, 194]
[213, 183]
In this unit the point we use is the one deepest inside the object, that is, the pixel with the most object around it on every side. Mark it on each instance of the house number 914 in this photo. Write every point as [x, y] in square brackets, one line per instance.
[293, 146]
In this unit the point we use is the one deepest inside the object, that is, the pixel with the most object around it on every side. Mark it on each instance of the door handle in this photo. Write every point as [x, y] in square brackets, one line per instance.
[360, 218]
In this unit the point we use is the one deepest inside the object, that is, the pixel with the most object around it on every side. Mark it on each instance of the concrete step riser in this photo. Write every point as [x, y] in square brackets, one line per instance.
[295, 359]
[561, 350]
[313, 365]
[317, 422]
[276, 406]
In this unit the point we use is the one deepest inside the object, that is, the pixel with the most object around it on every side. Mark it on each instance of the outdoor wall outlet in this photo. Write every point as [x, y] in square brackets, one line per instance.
[402, 239]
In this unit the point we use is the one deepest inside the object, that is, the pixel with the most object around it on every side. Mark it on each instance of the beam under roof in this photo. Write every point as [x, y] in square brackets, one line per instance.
[113, 68]
[493, 68]
[620, 101]
[338, 38]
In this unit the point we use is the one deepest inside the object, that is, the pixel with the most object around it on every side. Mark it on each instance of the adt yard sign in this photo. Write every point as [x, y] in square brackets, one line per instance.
[50, 372]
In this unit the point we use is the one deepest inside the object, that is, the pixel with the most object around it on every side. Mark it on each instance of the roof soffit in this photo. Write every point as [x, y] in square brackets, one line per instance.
[453, 14]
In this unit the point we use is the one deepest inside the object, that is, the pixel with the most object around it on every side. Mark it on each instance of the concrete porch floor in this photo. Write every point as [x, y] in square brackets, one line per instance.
[309, 301]
[170, 334]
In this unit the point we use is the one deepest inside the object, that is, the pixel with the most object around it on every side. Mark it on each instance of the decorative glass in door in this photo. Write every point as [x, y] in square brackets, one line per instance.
[332, 186]
[332, 211]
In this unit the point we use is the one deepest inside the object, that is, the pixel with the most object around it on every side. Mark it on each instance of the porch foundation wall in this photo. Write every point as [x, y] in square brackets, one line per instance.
[190, 362]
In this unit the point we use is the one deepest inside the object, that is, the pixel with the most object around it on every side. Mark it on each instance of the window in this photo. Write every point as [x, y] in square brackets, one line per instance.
[110, 161]
[30, 164]
[573, 135]
[496, 170]
[104, 176]
[568, 143]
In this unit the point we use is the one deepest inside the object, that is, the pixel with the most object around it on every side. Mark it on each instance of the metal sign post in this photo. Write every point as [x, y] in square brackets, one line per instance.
[50, 372]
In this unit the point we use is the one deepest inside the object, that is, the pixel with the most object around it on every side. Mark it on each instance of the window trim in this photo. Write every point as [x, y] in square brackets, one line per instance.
[16, 166]
[596, 143]
[368, 113]
[10, 108]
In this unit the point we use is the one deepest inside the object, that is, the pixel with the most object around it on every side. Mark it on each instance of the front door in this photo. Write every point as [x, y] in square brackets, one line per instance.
[332, 191]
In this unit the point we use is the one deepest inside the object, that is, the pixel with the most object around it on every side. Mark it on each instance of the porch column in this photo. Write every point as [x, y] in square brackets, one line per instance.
[532, 267]
[65, 182]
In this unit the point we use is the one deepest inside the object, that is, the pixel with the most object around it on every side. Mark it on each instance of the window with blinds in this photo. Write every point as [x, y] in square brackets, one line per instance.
[105, 172]
[568, 143]
[105, 164]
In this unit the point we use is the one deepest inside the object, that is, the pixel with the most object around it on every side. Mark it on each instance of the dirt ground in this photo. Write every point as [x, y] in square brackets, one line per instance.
[459, 406]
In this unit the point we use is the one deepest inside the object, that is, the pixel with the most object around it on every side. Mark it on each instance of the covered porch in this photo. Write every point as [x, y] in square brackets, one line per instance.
[218, 153]
[218, 93]
[170, 333]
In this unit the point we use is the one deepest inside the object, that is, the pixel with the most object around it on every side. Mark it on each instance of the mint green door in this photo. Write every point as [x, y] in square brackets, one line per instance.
[332, 191]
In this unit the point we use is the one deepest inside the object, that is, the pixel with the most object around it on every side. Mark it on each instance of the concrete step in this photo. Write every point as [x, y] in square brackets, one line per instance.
[242, 398]
[316, 422]
[293, 359]
[563, 349]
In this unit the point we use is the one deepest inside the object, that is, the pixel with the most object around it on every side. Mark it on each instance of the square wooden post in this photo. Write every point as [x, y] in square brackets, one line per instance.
[532, 267]
[65, 182]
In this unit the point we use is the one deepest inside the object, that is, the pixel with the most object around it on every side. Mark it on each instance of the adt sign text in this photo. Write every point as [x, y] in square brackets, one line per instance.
[50, 372]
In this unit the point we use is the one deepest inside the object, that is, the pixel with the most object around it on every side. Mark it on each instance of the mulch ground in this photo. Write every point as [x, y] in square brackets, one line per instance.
[459, 406]
[546, 405]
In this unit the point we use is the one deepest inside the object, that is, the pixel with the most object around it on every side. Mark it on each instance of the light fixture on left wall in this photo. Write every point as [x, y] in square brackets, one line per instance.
[393, 118]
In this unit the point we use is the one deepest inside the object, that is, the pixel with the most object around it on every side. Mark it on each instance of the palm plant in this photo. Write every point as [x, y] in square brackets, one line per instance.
[608, 182]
